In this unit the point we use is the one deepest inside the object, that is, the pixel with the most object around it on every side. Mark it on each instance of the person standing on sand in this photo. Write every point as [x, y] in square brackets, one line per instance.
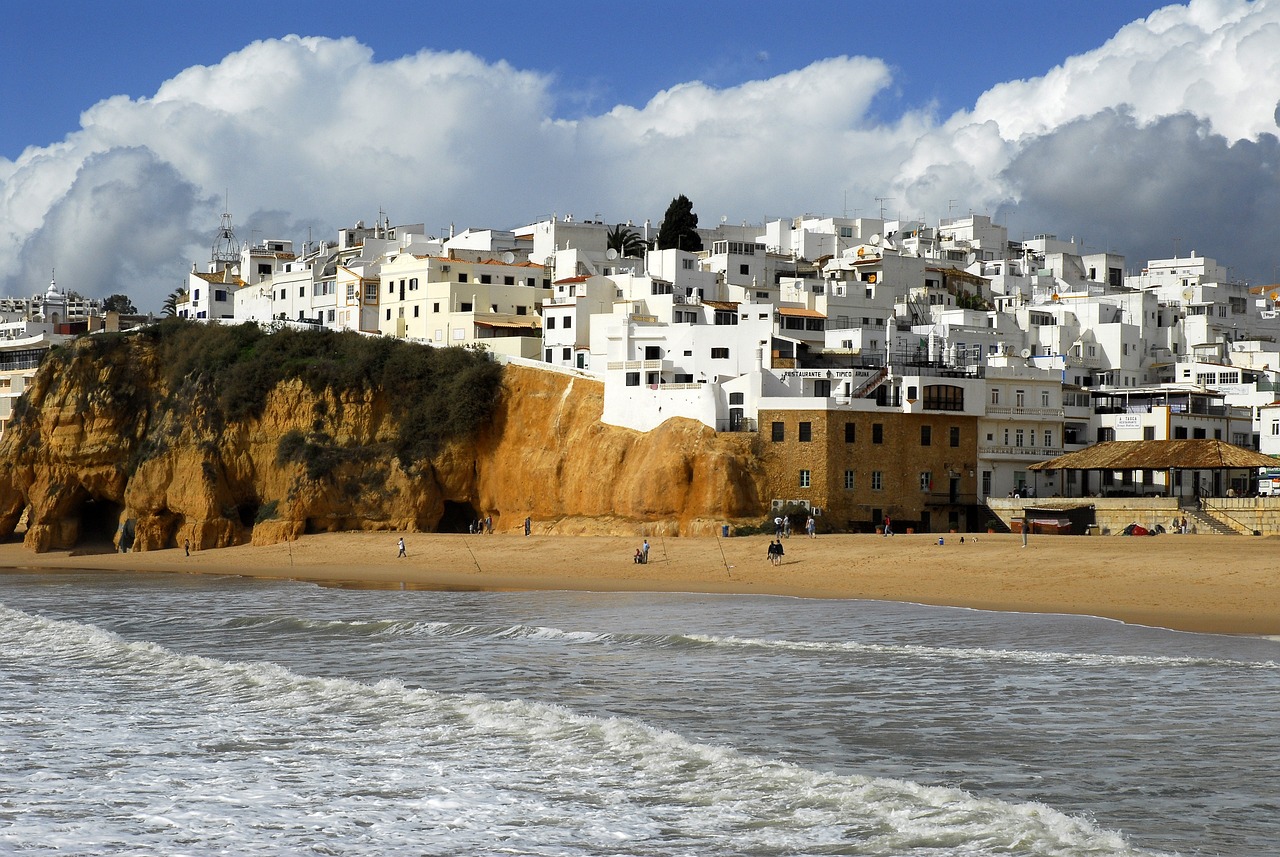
[186, 546]
[402, 552]
[528, 524]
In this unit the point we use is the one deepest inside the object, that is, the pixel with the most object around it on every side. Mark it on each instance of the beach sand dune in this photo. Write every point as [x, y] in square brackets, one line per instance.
[1206, 583]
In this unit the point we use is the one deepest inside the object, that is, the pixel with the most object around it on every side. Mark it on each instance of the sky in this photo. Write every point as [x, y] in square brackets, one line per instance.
[1134, 127]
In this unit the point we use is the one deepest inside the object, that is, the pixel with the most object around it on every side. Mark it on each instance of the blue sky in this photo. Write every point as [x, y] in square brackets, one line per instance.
[1125, 123]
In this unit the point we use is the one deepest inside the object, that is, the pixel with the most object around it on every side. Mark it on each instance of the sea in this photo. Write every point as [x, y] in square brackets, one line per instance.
[165, 714]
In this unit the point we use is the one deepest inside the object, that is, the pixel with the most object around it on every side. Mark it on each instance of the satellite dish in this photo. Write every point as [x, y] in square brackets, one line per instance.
[508, 257]
[1026, 352]
[874, 240]
[611, 254]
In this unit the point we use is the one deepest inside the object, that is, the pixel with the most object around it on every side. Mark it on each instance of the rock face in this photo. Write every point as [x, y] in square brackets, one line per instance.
[100, 457]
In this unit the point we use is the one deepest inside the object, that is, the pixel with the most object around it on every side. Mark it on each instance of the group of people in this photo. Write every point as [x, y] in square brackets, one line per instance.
[782, 527]
[482, 526]
[1180, 525]
[642, 554]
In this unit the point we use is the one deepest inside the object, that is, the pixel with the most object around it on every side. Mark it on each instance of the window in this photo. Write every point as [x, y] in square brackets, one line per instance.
[415, 311]
[220, 294]
[551, 322]
[877, 432]
[413, 284]
[848, 480]
[435, 307]
[943, 397]
[1044, 398]
[986, 483]
[804, 478]
[1148, 432]
[876, 480]
[302, 292]
[330, 316]
[822, 389]
[744, 270]
[633, 379]
[806, 432]
[462, 278]
[1018, 437]
[719, 353]
[779, 432]
[686, 264]
[954, 431]
[926, 480]
[388, 314]
[508, 281]
[568, 322]
[391, 287]
[737, 398]
[1019, 398]
[1048, 439]
[926, 435]
[486, 279]
[548, 355]
[566, 354]
[466, 307]
[850, 431]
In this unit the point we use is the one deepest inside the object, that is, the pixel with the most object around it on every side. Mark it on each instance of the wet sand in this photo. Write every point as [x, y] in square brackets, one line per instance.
[1205, 583]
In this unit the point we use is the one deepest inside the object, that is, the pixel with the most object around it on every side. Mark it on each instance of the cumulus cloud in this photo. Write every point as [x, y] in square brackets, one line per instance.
[1163, 129]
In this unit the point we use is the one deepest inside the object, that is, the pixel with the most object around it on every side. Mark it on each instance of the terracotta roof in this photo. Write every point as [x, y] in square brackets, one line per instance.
[578, 279]
[733, 305]
[532, 324]
[219, 277]
[800, 311]
[1158, 455]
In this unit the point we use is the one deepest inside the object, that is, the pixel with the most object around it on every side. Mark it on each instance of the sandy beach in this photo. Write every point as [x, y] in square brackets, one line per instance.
[1215, 584]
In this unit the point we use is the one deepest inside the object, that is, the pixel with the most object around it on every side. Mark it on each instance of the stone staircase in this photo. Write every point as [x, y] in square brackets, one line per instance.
[1199, 521]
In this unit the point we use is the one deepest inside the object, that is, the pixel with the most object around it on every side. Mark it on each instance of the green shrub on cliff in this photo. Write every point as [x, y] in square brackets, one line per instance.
[224, 373]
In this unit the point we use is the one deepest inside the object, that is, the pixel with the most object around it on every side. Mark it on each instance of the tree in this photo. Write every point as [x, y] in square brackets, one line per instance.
[174, 298]
[679, 227]
[626, 241]
[120, 304]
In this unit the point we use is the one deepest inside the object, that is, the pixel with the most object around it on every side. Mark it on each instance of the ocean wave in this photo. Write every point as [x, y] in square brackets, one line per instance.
[181, 748]
[463, 630]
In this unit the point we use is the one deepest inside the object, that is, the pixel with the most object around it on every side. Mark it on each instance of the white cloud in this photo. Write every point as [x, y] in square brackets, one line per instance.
[302, 132]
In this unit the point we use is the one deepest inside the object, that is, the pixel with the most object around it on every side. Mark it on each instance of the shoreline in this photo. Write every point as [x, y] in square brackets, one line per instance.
[1201, 583]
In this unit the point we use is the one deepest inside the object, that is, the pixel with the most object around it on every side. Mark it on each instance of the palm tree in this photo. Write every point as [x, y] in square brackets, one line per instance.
[626, 241]
[171, 302]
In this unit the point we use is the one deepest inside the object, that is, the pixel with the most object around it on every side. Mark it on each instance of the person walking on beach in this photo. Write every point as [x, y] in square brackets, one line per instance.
[778, 553]
[888, 526]
[402, 552]
[811, 527]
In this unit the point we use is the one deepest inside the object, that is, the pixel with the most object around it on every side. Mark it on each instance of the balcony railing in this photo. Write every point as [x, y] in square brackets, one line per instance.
[745, 424]
[1053, 413]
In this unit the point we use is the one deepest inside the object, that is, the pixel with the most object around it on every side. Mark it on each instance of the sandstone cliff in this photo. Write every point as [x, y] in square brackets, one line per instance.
[110, 448]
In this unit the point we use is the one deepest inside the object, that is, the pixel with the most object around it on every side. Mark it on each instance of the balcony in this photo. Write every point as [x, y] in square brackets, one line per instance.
[1042, 413]
[743, 424]
[637, 365]
[1037, 453]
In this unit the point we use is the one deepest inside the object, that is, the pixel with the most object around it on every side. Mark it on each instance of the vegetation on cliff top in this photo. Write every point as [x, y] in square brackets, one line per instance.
[221, 374]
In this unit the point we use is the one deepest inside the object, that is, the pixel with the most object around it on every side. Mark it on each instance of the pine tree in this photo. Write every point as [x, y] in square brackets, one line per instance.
[679, 227]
